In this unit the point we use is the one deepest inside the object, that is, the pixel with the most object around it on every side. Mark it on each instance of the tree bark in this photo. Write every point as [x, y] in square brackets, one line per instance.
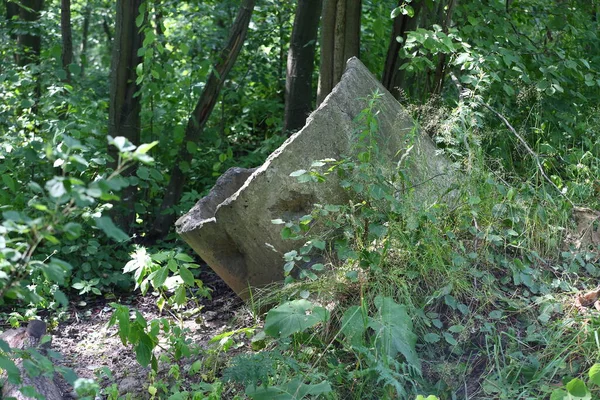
[67, 37]
[327, 46]
[352, 31]
[300, 65]
[85, 31]
[440, 71]
[30, 43]
[200, 115]
[340, 40]
[402, 25]
[124, 105]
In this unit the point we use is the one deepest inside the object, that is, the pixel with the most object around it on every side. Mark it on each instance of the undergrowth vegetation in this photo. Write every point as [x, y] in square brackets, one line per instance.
[486, 290]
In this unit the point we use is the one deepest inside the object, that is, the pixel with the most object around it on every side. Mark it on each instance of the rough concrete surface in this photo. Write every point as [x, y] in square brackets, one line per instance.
[236, 237]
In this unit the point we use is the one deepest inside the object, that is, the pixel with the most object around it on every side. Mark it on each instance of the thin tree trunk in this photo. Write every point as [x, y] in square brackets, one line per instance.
[327, 46]
[30, 43]
[125, 105]
[340, 40]
[200, 115]
[300, 65]
[67, 38]
[12, 10]
[440, 71]
[158, 18]
[402, 25]
[85, 31]
[352, 32]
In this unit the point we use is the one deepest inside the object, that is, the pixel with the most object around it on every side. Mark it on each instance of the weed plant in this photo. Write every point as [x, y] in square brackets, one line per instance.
[466, 296]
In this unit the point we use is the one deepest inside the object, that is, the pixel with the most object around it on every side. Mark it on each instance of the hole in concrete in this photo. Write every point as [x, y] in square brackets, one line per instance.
[293, 206]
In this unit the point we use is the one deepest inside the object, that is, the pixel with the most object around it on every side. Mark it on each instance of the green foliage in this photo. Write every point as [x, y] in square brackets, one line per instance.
[36, 233]
[166, 272]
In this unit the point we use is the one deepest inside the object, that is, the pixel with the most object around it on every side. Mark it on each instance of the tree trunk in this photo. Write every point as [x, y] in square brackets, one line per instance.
[67, 38]
[12, 10]
[402, 25]
[327, 46]
[300, 65]
[85, 31]
[30, 43]
[352, 31]
[158, 18]
[340, 40]
[197, 121]
[124, 105]
[440, 71]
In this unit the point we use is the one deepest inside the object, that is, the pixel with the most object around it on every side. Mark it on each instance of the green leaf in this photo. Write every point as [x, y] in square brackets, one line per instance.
[319, 244]
[110, 229]
[432, 338]
[317, 267]
[184, 257]
[161, 276]
[394, 330]
[450, 339]
[180, 297]
[292, 390]
[576, 387]
[72, 230]
[559, 394]
[298, 172]
[293, 317]
[14, 375]
[9, 182]
[55, 270]
[594, 374]
[143, 352]
[186, 275]
[61, 298]
[354, 326]
[143, 173]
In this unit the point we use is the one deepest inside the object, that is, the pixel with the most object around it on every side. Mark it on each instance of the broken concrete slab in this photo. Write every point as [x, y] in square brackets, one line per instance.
[237, 239]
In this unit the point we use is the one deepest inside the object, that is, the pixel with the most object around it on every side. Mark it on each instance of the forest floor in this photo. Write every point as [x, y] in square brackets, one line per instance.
[91, 348]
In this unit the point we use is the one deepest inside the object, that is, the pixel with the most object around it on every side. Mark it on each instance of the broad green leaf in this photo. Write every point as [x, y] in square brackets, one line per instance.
[143, 173]
[450, 339]
[576, 387]
[394, 331]
[184, 257]
[186, 275]
[14, 375]
[560, 394]
[72, 230]
[160, 277]
[293, 390]
[354, 326]
[180, 297]
[293, 317]
[298, 172]
[594, 374]
[431, 337]
[110, 229]
[143, 352]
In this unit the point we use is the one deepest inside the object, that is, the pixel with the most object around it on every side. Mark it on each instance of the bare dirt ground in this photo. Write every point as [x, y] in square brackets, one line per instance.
[88, 345]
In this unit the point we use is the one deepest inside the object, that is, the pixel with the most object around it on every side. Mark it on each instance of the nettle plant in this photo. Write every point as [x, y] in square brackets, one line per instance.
[358, 230]
[376, 337]
[168, 274]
